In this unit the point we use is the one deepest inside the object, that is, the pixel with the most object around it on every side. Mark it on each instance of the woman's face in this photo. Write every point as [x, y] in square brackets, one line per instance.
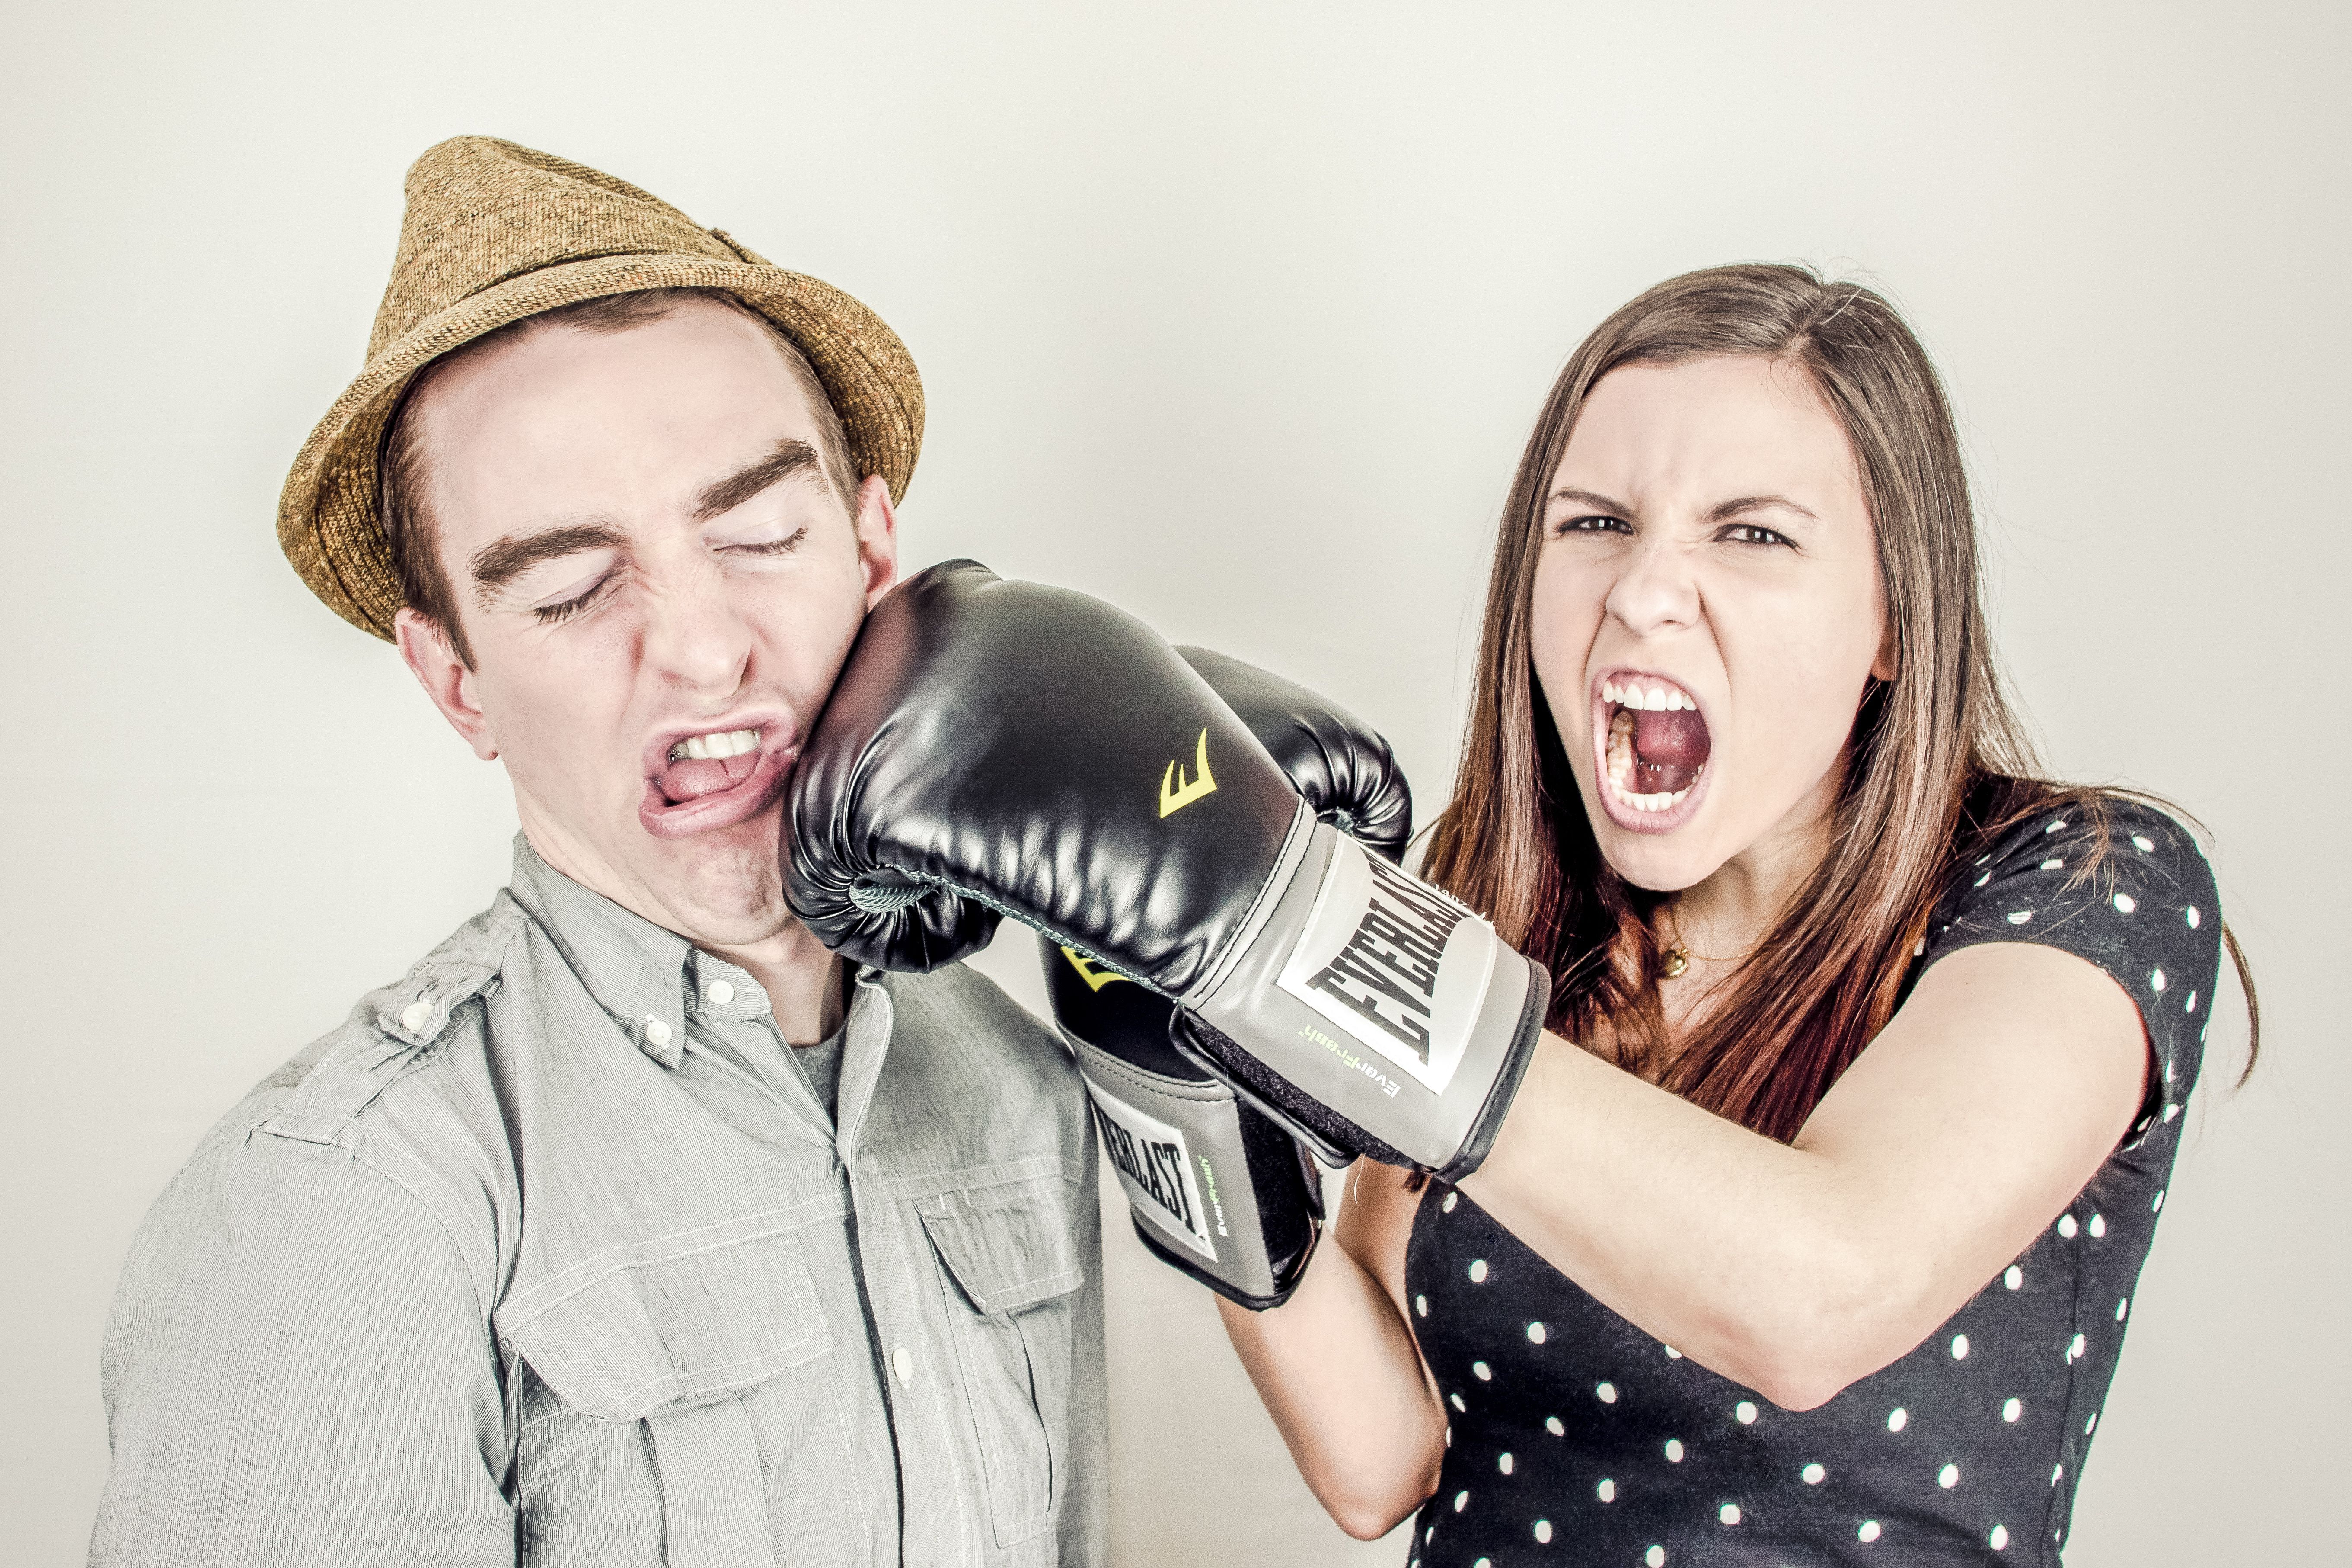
[1707, 613]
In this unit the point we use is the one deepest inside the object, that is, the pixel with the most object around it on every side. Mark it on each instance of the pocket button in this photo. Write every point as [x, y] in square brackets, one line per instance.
[902, 1362]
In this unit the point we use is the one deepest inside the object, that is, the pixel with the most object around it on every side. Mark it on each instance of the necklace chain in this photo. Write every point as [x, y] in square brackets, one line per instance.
[1678, 956]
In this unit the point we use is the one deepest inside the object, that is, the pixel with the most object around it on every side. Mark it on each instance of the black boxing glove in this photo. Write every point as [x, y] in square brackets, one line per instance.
[1215, 1188]
[1045, 755]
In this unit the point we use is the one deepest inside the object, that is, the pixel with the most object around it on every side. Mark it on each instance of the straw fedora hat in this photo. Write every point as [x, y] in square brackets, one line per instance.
[495, 232]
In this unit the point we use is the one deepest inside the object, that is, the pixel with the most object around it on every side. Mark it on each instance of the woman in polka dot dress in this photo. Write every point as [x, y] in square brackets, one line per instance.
[1817, 1245]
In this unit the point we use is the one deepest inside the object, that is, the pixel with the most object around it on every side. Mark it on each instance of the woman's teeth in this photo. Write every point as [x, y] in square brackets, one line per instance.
[1656, 698]
[1621, 766]
[715, 747]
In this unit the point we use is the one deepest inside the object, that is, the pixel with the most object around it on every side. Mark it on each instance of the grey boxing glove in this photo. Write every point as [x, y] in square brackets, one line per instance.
[1215, 1188]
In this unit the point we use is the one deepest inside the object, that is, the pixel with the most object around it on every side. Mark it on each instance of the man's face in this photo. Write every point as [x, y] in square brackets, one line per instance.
[658, 582]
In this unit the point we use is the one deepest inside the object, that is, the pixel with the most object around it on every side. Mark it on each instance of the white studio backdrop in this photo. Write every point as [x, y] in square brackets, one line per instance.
[1236, 315]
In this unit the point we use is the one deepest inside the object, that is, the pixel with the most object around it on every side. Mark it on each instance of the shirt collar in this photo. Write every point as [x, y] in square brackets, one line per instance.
[639, 973]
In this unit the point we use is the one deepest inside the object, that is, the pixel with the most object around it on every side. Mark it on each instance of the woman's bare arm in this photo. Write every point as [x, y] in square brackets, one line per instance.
[1965, 1127]
[1339, 1371]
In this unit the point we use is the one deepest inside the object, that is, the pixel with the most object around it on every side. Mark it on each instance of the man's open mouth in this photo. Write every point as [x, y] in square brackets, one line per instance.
[1654, 744]
[715, 779]
[704, 764]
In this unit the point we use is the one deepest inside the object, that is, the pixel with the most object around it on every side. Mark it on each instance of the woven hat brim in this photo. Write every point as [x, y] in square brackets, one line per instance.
[327, 522]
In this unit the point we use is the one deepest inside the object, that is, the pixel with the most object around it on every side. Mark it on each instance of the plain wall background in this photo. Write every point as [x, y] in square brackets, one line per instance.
[1237, 315]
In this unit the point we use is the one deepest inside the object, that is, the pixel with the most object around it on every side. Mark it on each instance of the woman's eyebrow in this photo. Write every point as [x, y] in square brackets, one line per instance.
[498, 563]
[1724, 511]
[1596, 502]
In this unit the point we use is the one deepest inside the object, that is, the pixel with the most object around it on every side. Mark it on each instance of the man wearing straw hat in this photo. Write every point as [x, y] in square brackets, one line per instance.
[629, 1225]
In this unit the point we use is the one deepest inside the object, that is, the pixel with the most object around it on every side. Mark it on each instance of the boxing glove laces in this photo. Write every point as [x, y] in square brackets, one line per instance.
[1046, 755]
[1216, 1189]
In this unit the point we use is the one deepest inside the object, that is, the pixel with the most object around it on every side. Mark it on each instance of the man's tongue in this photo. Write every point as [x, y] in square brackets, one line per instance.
[1669, 749]
[691, 779]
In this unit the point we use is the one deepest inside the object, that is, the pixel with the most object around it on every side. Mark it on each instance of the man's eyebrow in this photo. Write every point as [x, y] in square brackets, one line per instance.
[1724, 511]
[791, 457]
[1596, 502]
[497, 563]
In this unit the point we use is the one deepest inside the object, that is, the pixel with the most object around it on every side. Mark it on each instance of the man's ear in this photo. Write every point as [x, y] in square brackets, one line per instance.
[424, 647]
[877, 539]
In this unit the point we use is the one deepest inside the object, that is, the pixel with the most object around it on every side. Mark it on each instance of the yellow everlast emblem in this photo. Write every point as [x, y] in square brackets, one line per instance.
[1176, 792]
[1096, 978]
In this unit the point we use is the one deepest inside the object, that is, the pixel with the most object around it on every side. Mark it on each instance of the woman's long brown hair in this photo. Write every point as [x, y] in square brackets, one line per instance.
[1939, 762]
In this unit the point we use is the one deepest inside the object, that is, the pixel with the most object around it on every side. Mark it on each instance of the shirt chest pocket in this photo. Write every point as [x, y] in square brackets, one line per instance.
[673, 1337]
[1009, 1268]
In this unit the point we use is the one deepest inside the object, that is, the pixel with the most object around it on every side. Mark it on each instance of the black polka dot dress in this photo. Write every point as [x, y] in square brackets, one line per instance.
[1577, 1439]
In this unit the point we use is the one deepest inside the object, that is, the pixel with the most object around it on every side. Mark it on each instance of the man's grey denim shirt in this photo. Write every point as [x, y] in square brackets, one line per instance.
[549, 1254]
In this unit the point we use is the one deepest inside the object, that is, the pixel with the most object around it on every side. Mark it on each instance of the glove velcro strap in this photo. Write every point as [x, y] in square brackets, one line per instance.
[1332, 1135]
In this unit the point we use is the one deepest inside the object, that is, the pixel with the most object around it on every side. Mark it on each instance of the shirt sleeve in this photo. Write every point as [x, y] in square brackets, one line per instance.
[298, 1371]
[2131, 894]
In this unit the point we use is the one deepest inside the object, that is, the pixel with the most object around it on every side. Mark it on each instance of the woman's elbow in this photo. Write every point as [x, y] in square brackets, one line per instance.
[1367, 1501]
[1805, 1356]
[1367, 1516]
[1801, 1387]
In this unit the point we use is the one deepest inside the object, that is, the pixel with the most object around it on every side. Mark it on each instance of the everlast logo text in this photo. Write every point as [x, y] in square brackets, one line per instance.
[1388, 971]
[1154, 1167]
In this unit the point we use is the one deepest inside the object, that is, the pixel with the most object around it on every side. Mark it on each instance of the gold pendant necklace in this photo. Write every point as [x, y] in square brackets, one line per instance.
[1677, 961]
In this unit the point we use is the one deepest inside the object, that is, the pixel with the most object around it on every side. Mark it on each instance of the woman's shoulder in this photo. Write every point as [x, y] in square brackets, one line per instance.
[2113, 878]
[2081, 848]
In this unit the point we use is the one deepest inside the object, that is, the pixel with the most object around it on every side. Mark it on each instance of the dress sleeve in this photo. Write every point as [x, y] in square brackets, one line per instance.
[2124, 887]
[298, 1371]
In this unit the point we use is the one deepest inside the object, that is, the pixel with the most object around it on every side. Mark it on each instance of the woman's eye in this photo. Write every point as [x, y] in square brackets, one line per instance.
[1749, 533]
[1596, 523]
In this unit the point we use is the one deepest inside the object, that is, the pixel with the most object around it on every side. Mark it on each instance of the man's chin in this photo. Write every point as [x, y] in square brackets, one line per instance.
[721, 885]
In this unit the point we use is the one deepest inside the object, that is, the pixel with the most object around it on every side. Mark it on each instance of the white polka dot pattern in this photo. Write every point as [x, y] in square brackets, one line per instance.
[1930, 1458]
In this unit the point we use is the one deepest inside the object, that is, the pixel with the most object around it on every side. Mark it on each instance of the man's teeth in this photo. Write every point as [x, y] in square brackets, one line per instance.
[715, 747]
[1654, 697]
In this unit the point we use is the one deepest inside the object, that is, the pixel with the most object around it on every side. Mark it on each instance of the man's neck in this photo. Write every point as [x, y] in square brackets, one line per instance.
[805, 984]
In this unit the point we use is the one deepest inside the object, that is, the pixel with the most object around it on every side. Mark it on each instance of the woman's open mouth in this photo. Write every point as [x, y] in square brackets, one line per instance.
[1653, 748]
